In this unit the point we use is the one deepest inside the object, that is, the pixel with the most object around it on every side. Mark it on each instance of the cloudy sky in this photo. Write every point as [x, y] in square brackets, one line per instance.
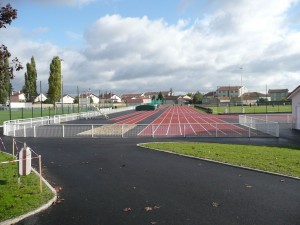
[130, 46]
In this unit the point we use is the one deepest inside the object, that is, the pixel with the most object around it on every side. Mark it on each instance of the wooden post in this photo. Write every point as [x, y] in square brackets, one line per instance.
[40, 171]
[13, 148]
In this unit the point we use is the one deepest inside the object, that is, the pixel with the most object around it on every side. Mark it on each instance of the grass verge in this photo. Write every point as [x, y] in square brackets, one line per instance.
[17, 199]
[253, 109]
[282, 160]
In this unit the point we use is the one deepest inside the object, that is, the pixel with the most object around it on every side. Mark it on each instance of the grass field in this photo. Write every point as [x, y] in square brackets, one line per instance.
[280, 160]
[252, 109]
[23, 114]
[17, 199]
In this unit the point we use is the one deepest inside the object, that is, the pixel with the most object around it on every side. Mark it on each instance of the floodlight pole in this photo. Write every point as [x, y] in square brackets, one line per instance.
[9, 93]
[241, 68]
[62, 89]
[41, 99]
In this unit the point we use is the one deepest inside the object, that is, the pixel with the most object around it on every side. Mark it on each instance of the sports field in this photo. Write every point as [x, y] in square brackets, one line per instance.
[170, 121]
[183, 121]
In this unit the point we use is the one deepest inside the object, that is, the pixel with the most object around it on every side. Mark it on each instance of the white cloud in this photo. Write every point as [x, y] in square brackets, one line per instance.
[126, 54]
[66, 2]
[59, 2]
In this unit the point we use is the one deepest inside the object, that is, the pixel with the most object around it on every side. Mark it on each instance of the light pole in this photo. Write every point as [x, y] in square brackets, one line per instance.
[241, 68]
[41, 99]
[62, 89]
[9, 94]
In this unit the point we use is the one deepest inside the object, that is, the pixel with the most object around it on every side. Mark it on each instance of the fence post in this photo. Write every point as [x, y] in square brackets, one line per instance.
[92, 130]
[63, 130]
[24, 131]
[216, 130]
[152, 131]
[40, 170]
[249, 129]
[184, 130]
[34, 131]
[277, 130]
[122, 131]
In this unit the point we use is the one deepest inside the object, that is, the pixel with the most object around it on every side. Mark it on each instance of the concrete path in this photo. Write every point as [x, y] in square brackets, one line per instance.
[112, 181]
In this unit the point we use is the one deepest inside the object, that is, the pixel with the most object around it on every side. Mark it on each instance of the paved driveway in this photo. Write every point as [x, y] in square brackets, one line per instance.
[112, 181]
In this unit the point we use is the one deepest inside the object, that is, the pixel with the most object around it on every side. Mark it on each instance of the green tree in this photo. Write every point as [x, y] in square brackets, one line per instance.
[5, 86]
[160, 96]
[197, 98]
[262, 100]
[54, 80]
[7, 15]
[30, 89]
[76, 100]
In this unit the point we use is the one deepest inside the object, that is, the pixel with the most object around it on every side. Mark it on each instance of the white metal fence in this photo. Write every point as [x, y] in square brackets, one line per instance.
[281, 118]
[248, 126]
[142, 130]
[261, 123]
[12, 127]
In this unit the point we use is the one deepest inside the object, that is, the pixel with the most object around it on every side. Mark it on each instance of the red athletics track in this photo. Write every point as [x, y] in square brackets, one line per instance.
[126, 116]
[136, 117]
[184, 120]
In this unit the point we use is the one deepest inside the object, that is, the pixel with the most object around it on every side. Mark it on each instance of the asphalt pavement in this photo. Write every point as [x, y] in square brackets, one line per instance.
[115, 182]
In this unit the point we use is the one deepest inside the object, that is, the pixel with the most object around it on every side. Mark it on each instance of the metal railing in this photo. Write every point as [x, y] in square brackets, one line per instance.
[11, 127]
[260, 123]
[248, 126]
[143, 130]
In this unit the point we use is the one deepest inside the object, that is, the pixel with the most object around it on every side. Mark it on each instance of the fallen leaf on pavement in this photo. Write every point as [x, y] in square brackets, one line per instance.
[58, 188]
[147, 209]
[215, 204]
[127, 210]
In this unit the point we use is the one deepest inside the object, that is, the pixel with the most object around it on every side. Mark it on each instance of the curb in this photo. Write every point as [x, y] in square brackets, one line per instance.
[218, 162]
[43, 207]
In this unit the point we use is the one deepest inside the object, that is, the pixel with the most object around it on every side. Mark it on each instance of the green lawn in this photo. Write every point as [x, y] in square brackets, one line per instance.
[281, 160]
[252, 109]
[23, 114]
[17, 199]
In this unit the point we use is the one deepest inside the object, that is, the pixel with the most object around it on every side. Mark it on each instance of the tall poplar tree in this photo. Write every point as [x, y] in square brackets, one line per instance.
[30, 89]
[54, 80]
[5, 81]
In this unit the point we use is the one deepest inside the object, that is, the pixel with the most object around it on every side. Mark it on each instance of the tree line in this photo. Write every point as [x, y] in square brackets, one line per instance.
[30, 85]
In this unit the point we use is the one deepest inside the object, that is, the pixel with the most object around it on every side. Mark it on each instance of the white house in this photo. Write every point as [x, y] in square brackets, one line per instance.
[95, 99]
[115, 98]
[109, 97]
[231, 91]
[295, 97]
[39, 97]
[17, 97]
[67, 99]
